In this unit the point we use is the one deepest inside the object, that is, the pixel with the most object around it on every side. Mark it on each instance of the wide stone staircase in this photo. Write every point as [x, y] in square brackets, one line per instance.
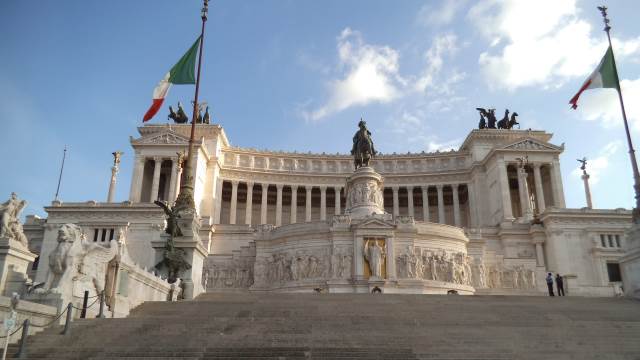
[355, 326]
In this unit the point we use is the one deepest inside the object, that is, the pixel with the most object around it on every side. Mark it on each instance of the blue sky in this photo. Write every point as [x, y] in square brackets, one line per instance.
[298, 75]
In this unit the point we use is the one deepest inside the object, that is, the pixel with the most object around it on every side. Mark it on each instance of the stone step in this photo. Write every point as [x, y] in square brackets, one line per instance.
[355, 326]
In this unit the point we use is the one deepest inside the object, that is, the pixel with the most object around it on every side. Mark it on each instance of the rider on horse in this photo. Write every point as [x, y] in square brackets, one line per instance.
[362, 149]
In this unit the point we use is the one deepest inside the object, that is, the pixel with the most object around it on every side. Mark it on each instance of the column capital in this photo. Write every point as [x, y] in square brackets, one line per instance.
[249, 184]
[157, 158]
[409, 187]
[308, 188]
[395, 188]
[439, 187]
[323, 188]
[235, 182]
[454, 186]
[279, 187]
[537, 165]
[264, 185]
[425, 188]
[337, 188]
[294, 187]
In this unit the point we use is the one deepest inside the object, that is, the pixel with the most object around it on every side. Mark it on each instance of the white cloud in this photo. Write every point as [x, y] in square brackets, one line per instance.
[598, 165]
[546, 43]
[445, 45]
[603, 105]
[429, 15]
[370, 75]
[414, 130]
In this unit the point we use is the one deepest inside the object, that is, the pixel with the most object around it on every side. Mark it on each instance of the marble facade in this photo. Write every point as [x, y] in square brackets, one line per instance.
[475, 220]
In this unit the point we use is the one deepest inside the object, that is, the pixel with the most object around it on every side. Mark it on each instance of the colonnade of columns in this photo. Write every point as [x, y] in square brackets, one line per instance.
[137, 193]
[264, 205]
[322, 211]
[525, 193]
[426, 215]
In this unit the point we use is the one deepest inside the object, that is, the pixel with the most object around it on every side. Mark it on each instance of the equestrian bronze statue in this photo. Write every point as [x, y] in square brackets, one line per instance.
[362, 150]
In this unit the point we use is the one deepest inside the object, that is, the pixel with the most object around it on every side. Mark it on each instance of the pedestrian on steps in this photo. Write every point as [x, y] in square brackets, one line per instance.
[550, 284]
[560, 285]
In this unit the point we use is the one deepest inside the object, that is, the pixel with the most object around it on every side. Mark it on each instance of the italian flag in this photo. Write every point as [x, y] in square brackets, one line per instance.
[604, 76]
[181, 73]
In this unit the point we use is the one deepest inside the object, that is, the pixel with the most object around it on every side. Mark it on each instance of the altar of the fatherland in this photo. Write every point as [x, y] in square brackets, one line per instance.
[314, 256]
[487, 218]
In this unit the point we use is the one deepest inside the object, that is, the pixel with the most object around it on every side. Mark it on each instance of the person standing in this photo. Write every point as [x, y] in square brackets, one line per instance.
[550, 284]
[560, 285]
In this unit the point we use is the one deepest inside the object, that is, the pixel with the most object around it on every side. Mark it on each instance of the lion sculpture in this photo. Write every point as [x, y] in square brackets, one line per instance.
[74, 259]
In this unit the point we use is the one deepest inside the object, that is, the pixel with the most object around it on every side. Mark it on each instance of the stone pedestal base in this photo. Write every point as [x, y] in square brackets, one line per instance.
[364, 193]
[195, 253]
[630, 263]
[15, 260]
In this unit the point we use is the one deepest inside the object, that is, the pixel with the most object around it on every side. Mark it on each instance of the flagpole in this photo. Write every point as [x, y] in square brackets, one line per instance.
[64, 155]
[185, 200]
[632, 152]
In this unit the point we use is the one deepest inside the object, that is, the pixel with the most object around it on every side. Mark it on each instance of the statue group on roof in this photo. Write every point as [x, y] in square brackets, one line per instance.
[488, 119]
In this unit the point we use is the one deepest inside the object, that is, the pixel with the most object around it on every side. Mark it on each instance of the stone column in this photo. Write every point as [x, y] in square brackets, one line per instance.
[174, 179]
[410, 200]
[425, 203]
[587, 191]
[234, 202]
[556, 184]
[136, 179]
[218, 200]
[279, 204]
[504, 187]
[114, 171]
[263, 206]
[523, 189]
[323, 203]
[249, 208]
[539, 254]
[308, 204]
[473, 215]
[156, 179]
[294, 204]
[396, 202]
[337, 207]
[539, 189]
[441, 218]
[456, 205]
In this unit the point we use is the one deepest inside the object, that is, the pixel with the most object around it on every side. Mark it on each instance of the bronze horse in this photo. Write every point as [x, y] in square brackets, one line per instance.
[507, 123]
[179, 117]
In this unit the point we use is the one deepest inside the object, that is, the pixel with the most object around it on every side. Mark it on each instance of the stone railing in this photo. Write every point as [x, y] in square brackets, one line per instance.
[236, 158]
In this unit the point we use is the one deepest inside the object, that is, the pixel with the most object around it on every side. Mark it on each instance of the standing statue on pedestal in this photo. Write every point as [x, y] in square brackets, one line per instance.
[374, 254]
[362, 150]
[10, 226]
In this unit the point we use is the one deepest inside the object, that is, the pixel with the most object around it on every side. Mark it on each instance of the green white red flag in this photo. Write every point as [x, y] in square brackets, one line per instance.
[183, 72]
[604, 76]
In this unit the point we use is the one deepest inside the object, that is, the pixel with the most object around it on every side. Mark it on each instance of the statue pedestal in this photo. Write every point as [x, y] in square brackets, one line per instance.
[15, 260]
[364, 193]
[630, 263]
[194, 254]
